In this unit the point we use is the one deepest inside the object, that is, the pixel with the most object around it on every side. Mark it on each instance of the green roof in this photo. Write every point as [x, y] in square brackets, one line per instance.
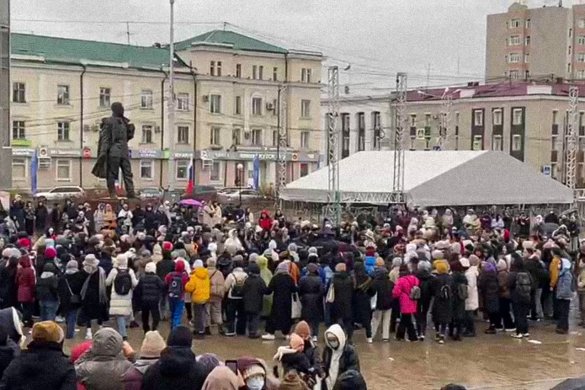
[238, 41]
[77, 51]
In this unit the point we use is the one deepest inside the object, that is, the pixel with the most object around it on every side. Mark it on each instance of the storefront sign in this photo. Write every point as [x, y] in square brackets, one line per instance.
[22, 152]
[145, 153]
[263, 155]
[65, 152]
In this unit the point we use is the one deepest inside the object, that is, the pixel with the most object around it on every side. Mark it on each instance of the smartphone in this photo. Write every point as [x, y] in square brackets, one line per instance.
[232, 365]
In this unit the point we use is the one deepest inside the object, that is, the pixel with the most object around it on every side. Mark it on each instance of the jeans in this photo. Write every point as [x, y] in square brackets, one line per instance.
[406, 325]
[384, 317]
[48, 310]
[505, 313]
[314, 325]
[71, 321]
[235, 317]
[347, 325]
[564, 306]
[27, 312]
[520, 315]
[199, 317]
[147, 310]
[253, 324]
[121, 321]
[536, 308]
[177, 306]
[469, 323]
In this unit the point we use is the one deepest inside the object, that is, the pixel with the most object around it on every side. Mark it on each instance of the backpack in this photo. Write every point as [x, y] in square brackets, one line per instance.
[237, 290]
[524, 286]
[176, 286]
[462, 291]
[122, 282]
[414, 293]
[445, 292]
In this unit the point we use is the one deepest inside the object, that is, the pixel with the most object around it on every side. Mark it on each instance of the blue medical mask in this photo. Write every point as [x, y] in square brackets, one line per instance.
[255, 383]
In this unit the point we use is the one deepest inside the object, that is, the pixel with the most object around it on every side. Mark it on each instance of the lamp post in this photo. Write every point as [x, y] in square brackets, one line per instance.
[240, 170]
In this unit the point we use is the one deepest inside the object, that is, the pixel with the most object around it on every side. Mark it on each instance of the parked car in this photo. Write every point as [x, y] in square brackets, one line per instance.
[151, 193]
[61, 193]
[234, 195]
[201, 193]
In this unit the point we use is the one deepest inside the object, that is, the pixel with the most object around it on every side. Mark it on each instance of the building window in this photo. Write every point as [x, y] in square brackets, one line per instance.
[555, 117]
[305, 75]
[516, 143]
[305, 139]
[19, 171]
[361, 120]
[517, 116]
[214, 173]
[497, 117]
[63, 94]
[514, 75]
[304, 169]
[305, 108]
[497, 143]
[183, 102]
[238, 105]
[275, 135]
[261, 72]
[570, 33]
[427, 120]
[212, 68]
[18, 93]
[581, 57]
[146, 169]
[515, 23]
[18, 130]
[215, 136]
[182, 170]
[581, 23]
[146, 134]
[218, 70]
[514, 58]
[581, 74]
[237, 136]
[62, 131]
[183, 134]
[215, 104]
[570, 50]
[239, 71]
[412, 120]
[527, 40]
[581, 40]
[376, 124]
[146, 99]
[105, 97]
[514, 40]
[256, 106]
[275, 74]
[526, 58]
[345, 132]
[256, 137]
[63, 170]
[478, 118]
[254, 72]
[477, 142]
[527, 23]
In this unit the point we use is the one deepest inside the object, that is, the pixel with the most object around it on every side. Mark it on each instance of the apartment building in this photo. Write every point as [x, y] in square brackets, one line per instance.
[5, 177]
[527, 120]
[226, 96]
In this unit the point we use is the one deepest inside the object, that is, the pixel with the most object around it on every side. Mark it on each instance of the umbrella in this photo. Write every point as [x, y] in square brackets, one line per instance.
[190, 202]
[571, 384]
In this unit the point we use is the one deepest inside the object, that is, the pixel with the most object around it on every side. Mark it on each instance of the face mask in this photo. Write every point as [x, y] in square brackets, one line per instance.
[255, 383]
[333, 343]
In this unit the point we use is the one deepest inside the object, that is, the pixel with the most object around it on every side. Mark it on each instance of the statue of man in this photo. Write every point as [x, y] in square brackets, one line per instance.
[115, 133]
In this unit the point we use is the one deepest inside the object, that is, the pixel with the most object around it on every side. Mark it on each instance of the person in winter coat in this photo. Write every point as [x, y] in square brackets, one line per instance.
[350, 380]
[403, 290]
[123, 282]
[341, 307]
[505, 297]
[361, 301]
[48, 293]
[163, 268]
[41, 216]
[460, 295]
[442, 287]
[536, 270]
[94, 298]
[520, 285]
[43, 365]
[150, 289]
[564, 295]
[8, 286]
[253, 372]
[235, 313]
[338, 356]
[489, 288]
[282, 286]
[292, 357]
[382, 286]
[175, 283]
[252, 294]
[472, 301]
[8, 350]
[26, 281]
[70, 286]
[221, 378]
[152, 346]
[177, 368]
[311, 291]
[581, 289]
[199, 286]
[266, 275]
[425, 277]
[214, 307]
[104, 365]
[311, 350]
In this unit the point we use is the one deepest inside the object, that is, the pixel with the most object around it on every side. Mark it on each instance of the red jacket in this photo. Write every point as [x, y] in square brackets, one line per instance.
[402, 290]
[265, 223]
[25, 280]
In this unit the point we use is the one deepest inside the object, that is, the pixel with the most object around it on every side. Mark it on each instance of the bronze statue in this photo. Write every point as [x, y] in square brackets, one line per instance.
[115, 133]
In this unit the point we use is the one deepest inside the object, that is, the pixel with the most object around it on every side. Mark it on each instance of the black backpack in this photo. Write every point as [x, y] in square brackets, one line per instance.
[524, 286]
[462, 291]
[176, 286]
[237, 290]
[122, 282]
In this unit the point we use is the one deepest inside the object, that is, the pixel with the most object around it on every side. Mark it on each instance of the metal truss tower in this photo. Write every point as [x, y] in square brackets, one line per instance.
[447, 104]
[282, 141]
[571, 157]
[400, 125]
[334, 197]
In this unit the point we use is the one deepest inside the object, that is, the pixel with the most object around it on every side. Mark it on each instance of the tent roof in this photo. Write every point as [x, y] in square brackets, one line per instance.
[446, 178]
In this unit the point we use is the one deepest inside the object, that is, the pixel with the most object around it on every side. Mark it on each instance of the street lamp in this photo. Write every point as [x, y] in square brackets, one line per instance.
[240, 168]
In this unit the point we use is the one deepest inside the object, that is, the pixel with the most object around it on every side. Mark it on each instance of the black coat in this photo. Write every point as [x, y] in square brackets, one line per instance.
[48, 288]
[350, 380]
[442, 308]
[383, 287]
[165, 267]
[253, 294]
[311, 292]
[8, 288]
[458, 304]
[150, 289]
[297, 361]
[349, 361]
[489, 289]
[91, 307]
[175, 370]
[7, 353]
[41, 214]
[42, 366]
[282, 286]
[343, 287]
[426, 290]
[75, 281]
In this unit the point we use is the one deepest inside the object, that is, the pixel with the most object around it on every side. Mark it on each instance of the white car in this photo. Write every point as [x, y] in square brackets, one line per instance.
[61, 193]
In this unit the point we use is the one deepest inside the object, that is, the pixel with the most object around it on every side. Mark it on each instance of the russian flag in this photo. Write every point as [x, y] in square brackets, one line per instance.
[191, 182]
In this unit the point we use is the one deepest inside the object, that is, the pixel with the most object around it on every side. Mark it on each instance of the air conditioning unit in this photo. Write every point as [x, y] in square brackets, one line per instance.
[205, 98]
[156, 129]
[269, 106]
[86, 128]
[45, 163]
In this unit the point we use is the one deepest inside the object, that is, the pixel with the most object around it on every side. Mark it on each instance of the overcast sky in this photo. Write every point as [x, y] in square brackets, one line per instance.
[375, 36]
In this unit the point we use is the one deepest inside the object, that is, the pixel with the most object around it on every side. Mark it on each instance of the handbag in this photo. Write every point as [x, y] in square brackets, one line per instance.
[330, 294]
[73, 298]
[296, 307]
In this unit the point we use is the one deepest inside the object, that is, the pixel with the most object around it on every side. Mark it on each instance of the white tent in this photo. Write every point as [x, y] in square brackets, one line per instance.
[431, 178]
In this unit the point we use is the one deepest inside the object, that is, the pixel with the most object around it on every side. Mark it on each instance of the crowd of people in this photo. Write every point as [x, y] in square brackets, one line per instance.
[211, 272]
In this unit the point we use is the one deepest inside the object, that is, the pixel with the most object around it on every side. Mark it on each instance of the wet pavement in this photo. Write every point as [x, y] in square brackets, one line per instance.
[484, 362]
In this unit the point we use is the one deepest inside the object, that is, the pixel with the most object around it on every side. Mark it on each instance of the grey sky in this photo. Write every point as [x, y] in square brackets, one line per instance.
[375, 36]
